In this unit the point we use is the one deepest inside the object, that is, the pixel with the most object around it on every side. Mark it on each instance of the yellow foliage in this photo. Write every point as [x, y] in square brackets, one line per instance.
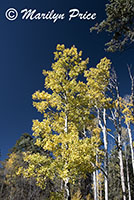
[77, 196]
[126, 108]
[10, 161]
[97, 82]
[66, 111]
[12, 165]
[56, 196]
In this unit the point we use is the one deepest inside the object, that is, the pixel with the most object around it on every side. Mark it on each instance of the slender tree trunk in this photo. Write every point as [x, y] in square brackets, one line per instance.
[128, 178]
[103, 127]
[121, 168]
[97, 182]
[95, 186]
[117, 119]
[61, 186]
[118, 129]
[131, 145]
[106, 155]
[67, 184]
[67, 189]
[66, 127]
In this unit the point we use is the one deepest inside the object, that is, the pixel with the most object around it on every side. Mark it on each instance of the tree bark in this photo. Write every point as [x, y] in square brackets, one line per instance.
[117, 122]
[103, 127]
[121, 167]
[95, 186]
[106, 155]
[67, 184]
[127, 169]
[131, 145]
[67, 189]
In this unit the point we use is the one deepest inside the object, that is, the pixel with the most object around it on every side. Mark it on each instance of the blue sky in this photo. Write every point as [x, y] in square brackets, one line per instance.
[27, 48]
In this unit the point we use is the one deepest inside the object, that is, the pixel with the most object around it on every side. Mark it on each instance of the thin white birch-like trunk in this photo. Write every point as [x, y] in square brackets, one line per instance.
[103, 127]
[116, 117]
[66, 124]
[97, 182]
[61, 185]
[95, 186]
[67, 189]
[121, 168]
[127, 169]
[66, 182]
[128, 125]
[118, 129]
[131, 145]
[106, 154]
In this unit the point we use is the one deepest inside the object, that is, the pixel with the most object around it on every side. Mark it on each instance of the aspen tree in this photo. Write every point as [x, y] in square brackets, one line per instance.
[66, 116]
[97, 81]
[116, 117]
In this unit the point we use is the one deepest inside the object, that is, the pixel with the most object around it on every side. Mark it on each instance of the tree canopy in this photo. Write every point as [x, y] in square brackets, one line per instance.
[119, 23]
[68, 156]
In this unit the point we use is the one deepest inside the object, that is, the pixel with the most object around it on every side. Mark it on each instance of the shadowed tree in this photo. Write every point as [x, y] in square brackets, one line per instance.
[119, 23]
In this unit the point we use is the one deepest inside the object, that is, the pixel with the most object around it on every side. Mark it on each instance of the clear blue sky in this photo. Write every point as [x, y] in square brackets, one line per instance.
[27, 47]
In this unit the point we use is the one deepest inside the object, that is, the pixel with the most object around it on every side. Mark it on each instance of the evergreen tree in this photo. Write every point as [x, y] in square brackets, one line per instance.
[119, 23]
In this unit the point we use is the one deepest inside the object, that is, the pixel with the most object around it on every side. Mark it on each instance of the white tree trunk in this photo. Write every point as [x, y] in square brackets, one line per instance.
[103, 127]
[61, 185]
[67, 184]
[67, 189]
[121, 168]
[106, 155]
[117, 124]
[128, 178]
[95, 186]
[131, 145]
[66, 124]
[117, 119]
